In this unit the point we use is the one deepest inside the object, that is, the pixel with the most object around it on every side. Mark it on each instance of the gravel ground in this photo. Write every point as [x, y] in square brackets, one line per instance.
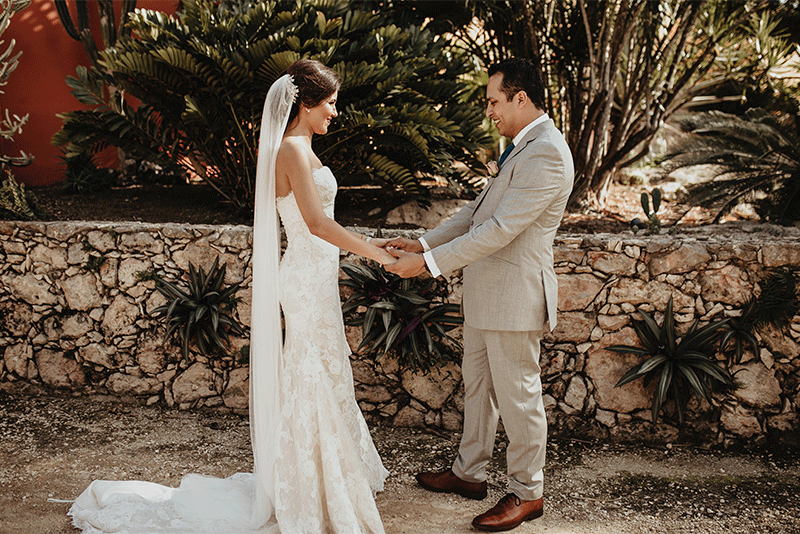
[52, 447]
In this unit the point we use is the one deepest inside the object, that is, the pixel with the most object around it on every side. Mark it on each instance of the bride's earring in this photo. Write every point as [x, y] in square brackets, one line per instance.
[308, 110]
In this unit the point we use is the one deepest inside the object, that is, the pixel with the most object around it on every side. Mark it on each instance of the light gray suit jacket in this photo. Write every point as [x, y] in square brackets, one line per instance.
[504, 238]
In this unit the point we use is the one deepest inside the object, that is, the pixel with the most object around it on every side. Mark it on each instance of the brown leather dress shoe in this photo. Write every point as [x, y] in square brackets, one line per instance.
[509, 513]
[448, 482]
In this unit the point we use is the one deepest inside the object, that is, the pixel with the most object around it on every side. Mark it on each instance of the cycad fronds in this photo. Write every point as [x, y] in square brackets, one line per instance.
[756, 155]
[202, 77]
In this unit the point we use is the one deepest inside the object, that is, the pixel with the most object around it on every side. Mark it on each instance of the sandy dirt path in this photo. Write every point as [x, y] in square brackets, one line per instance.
[53, 447]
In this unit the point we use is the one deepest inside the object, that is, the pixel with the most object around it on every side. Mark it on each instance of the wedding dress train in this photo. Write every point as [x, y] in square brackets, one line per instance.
[326, 469]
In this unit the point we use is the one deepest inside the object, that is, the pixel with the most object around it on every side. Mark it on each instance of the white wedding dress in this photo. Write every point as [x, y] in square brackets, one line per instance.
[326, 468]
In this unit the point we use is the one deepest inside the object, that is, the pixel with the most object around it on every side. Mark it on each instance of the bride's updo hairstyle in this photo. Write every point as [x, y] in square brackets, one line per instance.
[315, 82]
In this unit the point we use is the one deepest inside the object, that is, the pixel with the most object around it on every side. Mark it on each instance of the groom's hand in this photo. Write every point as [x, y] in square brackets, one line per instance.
[408, 265]
[408, 245]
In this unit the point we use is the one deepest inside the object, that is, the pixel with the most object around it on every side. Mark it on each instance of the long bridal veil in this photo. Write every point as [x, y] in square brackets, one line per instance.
[265, 326]
[243, 502]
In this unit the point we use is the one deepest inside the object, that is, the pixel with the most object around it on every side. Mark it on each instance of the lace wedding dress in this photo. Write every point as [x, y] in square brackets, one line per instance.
[329, 467]
[326, 467]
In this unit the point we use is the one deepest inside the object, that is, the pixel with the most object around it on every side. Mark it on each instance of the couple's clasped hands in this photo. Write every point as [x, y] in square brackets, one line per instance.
[405, 256]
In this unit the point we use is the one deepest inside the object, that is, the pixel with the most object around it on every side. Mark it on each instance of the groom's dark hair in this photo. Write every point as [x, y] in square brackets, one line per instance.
[520, 75]
[315, 82]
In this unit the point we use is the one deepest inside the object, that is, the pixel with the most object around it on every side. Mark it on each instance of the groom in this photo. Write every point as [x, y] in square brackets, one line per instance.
[504, 241]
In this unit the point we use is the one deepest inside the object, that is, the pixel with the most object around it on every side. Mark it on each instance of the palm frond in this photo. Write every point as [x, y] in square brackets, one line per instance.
[202, 75]
[755, 154]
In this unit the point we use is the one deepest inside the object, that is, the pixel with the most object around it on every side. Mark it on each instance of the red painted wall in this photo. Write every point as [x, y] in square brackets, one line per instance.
[37, 87]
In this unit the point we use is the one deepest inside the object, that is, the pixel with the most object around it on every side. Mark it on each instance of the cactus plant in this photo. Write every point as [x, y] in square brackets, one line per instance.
[110, 33]
[82, 31]
[653, 224]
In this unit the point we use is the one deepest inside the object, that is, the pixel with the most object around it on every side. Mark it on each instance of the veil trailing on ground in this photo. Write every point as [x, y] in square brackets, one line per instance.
[265, 326]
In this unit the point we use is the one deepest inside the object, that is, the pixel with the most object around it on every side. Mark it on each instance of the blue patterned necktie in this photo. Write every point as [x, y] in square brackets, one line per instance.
[505, 154]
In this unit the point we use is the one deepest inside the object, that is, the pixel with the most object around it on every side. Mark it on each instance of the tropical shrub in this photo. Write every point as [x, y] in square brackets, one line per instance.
[202, 313]
[408, 317]
[202, 76]
[681, 366]
[756, 158]
[616, 70]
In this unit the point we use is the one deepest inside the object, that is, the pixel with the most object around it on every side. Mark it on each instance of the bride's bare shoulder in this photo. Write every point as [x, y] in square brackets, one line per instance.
[292, 149]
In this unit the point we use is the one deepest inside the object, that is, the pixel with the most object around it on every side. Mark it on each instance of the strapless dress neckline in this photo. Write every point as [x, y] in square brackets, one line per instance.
[291, 193]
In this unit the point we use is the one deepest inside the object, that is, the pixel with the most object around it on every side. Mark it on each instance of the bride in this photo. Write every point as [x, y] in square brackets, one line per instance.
[316, 469]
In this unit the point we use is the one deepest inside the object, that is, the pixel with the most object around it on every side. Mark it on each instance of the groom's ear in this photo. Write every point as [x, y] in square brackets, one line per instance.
[521, 99]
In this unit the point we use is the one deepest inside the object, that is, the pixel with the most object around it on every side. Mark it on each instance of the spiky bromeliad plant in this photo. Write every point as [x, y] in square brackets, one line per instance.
[407, 316]
[680, 366]
[776, 305]
[203, 312]
[202, 75]
[737, 333]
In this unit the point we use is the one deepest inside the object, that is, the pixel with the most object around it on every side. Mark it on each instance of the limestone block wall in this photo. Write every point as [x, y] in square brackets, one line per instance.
[709, 274]
[76, 300]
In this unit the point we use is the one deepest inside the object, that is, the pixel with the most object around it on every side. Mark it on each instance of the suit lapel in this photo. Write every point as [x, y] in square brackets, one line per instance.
[530, 136]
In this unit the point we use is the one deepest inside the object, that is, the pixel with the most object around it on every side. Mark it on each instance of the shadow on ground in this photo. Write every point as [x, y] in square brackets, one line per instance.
[52, 447]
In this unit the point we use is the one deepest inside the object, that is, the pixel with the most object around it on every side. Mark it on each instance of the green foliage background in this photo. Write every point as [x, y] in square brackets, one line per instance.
[755, 159]
[202, 77]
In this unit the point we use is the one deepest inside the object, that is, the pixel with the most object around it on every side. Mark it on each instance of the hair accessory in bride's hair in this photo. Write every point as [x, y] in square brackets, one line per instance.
[293, 88]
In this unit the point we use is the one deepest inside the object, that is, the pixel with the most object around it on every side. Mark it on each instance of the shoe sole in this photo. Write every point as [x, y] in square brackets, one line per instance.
[530, 517]
[477, 496]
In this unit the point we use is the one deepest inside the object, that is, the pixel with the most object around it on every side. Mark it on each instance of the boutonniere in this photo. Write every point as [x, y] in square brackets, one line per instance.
[493, 168]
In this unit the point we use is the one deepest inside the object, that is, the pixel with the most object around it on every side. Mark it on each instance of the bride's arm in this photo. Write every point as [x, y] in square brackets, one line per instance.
[293, 164]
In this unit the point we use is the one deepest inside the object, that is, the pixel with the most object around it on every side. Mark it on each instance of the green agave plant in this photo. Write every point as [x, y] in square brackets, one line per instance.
[681, 366]
[201, 77]
[203, 312]
[776, 305]
[407, 316]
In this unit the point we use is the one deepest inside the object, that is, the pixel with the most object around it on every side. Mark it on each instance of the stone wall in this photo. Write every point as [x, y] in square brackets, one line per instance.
[76, 299]
[604, 279]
